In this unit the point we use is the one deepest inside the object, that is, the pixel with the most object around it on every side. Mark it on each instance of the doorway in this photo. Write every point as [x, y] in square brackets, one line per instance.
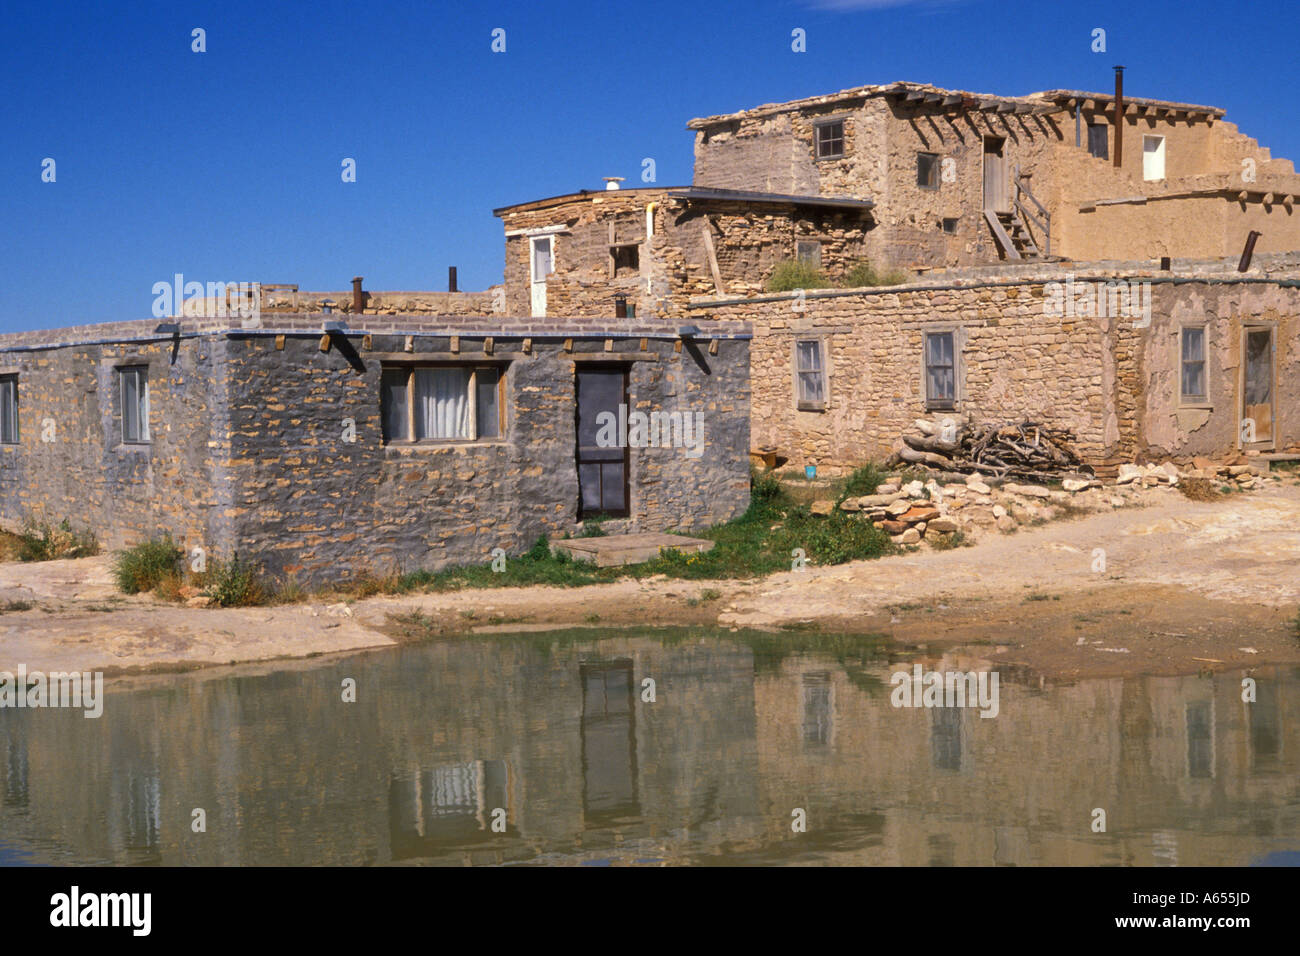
[997, 196]
[1258, 405]
[602, 467]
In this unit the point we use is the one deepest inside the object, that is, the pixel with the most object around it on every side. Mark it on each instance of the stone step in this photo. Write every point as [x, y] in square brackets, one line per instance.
[616, 550]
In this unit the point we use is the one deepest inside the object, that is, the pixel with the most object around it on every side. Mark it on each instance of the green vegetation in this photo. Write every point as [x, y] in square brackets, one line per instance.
[863, 481]
[147, 565]
[792, 274]
[948, 542]
[42, 541]
[864, 273]
[796, 274]
[234, 583]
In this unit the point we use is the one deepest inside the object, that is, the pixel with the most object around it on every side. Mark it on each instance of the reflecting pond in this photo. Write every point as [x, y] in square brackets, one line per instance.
[755, 749]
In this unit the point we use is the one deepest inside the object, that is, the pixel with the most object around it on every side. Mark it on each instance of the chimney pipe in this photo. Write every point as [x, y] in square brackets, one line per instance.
[358, 297]
[1119, 117]
[620, 306]
[451, 279]
[1248, 253]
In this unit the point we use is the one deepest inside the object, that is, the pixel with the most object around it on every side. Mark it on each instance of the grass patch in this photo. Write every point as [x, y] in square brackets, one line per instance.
[1042, 597]
[234, 583]
[42, 541]
[146, 565]
[863, 273]
[796, 274]
[949, 542]
[8, 606]
[863, 481]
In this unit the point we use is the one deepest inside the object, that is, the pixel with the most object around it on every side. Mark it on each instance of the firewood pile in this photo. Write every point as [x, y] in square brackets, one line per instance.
[1023, 449]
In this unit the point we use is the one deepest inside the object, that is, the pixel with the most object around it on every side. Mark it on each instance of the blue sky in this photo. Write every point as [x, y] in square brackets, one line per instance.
[225, 165]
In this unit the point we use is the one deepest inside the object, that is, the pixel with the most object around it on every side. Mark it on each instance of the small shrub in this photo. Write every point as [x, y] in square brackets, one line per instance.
[764, 486]
[1197, 489]
[795, 274]
[947, 542]
[234, 583]
[864, 273]
[144, 566]
[42, 541]
[863, 481]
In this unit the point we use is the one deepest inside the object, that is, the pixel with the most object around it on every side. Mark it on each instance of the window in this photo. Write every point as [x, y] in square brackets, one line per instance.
[543, 261]
[1153, 157]
[950, 226]
[830, 139]
[940, 371]
[626, 260]
[810, 374]
[1192, 379]
[1098, 140]
[9, 409]
[927, 170]
[809, 251]
[134, 381]
[440, 403]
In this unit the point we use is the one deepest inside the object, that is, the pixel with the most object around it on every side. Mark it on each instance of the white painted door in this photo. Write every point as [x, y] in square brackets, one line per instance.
[541, 264]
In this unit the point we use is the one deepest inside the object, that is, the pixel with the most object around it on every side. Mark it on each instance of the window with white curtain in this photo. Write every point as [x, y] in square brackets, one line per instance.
[440, 403]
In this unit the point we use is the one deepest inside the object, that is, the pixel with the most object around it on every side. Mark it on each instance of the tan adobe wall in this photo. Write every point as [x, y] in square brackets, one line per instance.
[1113, 384]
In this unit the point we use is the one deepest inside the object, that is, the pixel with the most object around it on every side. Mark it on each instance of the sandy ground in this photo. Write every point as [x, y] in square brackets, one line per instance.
[1187, 586]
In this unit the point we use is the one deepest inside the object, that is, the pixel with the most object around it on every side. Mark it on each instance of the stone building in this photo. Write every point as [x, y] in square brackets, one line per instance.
[1202, 360]
[392, 443]
[658, 247]
[963, 178]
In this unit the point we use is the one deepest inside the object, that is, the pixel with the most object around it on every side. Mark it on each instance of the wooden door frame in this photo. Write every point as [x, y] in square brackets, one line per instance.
[1002, 161]
[625, 369]
[1246, 329]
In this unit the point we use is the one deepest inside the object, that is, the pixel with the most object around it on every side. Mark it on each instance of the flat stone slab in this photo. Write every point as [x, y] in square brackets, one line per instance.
[615, 550]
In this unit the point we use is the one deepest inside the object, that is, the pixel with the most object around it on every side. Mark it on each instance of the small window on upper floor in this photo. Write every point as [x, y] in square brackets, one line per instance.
[1153, 157]
[9, 409]
[927, 170]
[830, 139]
[1098, 140]
[133, 383]
[950, 226]
[809, 251]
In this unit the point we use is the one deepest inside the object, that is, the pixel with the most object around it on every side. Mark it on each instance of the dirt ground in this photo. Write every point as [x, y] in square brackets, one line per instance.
[1187, 586]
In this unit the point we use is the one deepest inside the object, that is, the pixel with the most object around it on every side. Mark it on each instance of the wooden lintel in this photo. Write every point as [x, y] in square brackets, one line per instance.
[279, 343]
[528, 346]
[455, 343]
[488, 345]
[615, 357]
[713, 346]
[367, 342]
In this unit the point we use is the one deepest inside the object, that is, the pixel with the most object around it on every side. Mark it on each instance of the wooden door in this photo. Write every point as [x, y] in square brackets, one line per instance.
[1258, 405]
[996, 188]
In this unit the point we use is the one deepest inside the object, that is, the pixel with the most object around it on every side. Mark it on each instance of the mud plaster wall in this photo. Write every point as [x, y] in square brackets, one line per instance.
[1167, 428]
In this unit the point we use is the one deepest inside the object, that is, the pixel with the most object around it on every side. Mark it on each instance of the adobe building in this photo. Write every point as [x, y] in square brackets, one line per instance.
[329, 449]
[658, 247]
[960, 178]
[1142, 364]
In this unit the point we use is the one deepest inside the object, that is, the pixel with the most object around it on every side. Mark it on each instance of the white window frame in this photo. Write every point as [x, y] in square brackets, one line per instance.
[1153, 169]
[141, 374]
[410, 368]
[823, 354]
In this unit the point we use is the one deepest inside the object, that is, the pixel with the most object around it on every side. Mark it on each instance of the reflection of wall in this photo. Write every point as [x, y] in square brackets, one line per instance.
[443, 735]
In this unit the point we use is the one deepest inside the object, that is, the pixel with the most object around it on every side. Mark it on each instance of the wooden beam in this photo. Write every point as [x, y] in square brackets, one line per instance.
[713, 261]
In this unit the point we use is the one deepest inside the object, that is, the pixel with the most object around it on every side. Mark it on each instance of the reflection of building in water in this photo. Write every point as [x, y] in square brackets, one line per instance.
[557, 735]
[608, 741]
[452, 803]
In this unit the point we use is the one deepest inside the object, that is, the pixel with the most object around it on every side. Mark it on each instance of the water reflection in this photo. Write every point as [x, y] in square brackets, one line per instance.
[532, 749]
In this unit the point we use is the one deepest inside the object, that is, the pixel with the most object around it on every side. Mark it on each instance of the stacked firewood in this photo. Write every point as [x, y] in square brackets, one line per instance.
[1023, 449]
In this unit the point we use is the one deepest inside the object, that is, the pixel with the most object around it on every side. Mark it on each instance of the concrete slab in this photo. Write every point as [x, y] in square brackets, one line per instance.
[616, 550]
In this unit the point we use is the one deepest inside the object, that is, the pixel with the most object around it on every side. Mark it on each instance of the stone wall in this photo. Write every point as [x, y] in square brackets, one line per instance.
[1115, 385]
[672, 264]
[70, 462]
[250, 448]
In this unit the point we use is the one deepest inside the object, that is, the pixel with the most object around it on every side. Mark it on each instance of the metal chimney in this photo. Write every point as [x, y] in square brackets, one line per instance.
[1119, 117]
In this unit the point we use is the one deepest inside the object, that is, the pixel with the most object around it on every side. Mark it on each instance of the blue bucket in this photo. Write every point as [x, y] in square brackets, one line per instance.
[810, 472]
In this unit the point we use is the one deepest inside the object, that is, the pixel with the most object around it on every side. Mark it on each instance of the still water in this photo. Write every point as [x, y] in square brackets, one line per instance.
[544, 749]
